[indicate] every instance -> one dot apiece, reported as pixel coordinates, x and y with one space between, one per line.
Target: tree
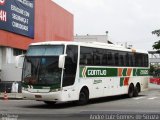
152 69
157 43
157 32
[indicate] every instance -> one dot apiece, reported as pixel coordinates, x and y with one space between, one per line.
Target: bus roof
91 44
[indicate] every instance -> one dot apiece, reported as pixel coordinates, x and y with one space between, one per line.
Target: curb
12 99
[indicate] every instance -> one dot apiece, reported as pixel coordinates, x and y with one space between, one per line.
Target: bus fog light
55 90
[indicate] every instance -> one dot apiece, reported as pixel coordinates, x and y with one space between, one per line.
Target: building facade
154 57
50 22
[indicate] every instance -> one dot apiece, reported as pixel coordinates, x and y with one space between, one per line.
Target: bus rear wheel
135 94
138 87
83 97
131 91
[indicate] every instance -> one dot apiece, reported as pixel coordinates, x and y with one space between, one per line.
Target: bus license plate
38 96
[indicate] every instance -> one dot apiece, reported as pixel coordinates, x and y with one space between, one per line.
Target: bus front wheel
83 97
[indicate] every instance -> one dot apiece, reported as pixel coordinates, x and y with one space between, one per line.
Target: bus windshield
41 65
45 50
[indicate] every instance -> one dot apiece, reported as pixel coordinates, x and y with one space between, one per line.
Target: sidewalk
12 95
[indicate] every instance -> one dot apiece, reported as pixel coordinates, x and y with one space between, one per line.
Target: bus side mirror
19 61
61 61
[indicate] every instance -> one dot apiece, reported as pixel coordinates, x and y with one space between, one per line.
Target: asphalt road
145 106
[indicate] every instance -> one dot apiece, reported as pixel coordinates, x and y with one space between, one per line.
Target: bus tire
138 87
135 94
83 97
130 90
50 102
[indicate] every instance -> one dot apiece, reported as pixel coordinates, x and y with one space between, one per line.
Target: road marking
137 98
152 98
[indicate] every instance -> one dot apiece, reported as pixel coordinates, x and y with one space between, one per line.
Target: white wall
9 56
9 71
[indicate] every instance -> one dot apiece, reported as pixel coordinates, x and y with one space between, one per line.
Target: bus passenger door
69 75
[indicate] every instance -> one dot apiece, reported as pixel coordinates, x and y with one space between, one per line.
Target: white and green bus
77 71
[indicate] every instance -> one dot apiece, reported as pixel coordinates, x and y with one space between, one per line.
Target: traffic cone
5 96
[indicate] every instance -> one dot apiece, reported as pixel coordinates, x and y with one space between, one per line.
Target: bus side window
146 60
122 60
116 59
70 65
138 59
127 59
110 59
96 57
105 59
86 56
83 59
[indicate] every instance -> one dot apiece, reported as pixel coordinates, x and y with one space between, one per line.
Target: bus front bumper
49 96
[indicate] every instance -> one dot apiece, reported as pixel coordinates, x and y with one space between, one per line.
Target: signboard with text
17 16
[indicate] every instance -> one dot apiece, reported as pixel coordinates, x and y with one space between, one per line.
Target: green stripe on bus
124 72
121 81
98 72
110 72
140 72
80 70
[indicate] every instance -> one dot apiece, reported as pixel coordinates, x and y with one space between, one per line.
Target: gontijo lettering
144 72
97 72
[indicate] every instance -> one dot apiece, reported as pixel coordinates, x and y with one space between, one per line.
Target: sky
130 21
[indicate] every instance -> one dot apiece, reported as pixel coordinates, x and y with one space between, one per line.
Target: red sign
2 2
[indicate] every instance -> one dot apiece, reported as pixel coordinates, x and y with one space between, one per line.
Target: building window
18 52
